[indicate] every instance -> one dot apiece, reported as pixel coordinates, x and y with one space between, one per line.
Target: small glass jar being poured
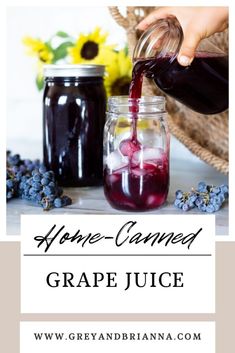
136 156
202 86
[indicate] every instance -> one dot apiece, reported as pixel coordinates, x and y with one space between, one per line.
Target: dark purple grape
207 198
31 181
58 202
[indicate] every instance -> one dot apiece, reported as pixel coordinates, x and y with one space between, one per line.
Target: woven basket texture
206 136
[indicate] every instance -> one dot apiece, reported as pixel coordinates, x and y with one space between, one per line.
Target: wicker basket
204 135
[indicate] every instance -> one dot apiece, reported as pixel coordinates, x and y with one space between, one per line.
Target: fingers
153 17
188 48
193 30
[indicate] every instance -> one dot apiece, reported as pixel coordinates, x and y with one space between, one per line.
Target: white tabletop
186 171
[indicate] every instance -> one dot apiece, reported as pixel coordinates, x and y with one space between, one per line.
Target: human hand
197 23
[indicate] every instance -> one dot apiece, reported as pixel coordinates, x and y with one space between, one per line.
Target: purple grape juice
74 105
141 184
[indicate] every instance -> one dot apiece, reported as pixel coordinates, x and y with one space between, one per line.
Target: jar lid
82 70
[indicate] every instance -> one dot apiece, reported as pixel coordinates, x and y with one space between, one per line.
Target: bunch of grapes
31 181
207 198
12 185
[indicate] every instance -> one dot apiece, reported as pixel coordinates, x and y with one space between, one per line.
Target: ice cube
115 160
148 154
128 147
150 167
138 171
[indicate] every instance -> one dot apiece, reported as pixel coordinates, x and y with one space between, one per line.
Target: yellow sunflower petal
97 36
34 45
37 48
118 73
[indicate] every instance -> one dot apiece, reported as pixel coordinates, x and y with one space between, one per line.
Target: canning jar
202 86
74 105
136 153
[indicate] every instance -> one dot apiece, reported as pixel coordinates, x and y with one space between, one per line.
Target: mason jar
74 105
136 153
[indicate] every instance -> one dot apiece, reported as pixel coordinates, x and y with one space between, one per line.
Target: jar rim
142 105
73 70
143 100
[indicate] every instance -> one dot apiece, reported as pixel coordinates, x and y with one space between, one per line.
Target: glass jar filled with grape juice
74 105
202 86
136 153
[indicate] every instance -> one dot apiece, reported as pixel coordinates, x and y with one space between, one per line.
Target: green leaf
62 34
39 82
126 49
49 47
61 51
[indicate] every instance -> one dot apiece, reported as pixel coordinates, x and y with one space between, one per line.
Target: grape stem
48 206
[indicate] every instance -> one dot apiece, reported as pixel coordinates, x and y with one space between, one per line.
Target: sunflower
44 54
118 74
38 49
90 48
